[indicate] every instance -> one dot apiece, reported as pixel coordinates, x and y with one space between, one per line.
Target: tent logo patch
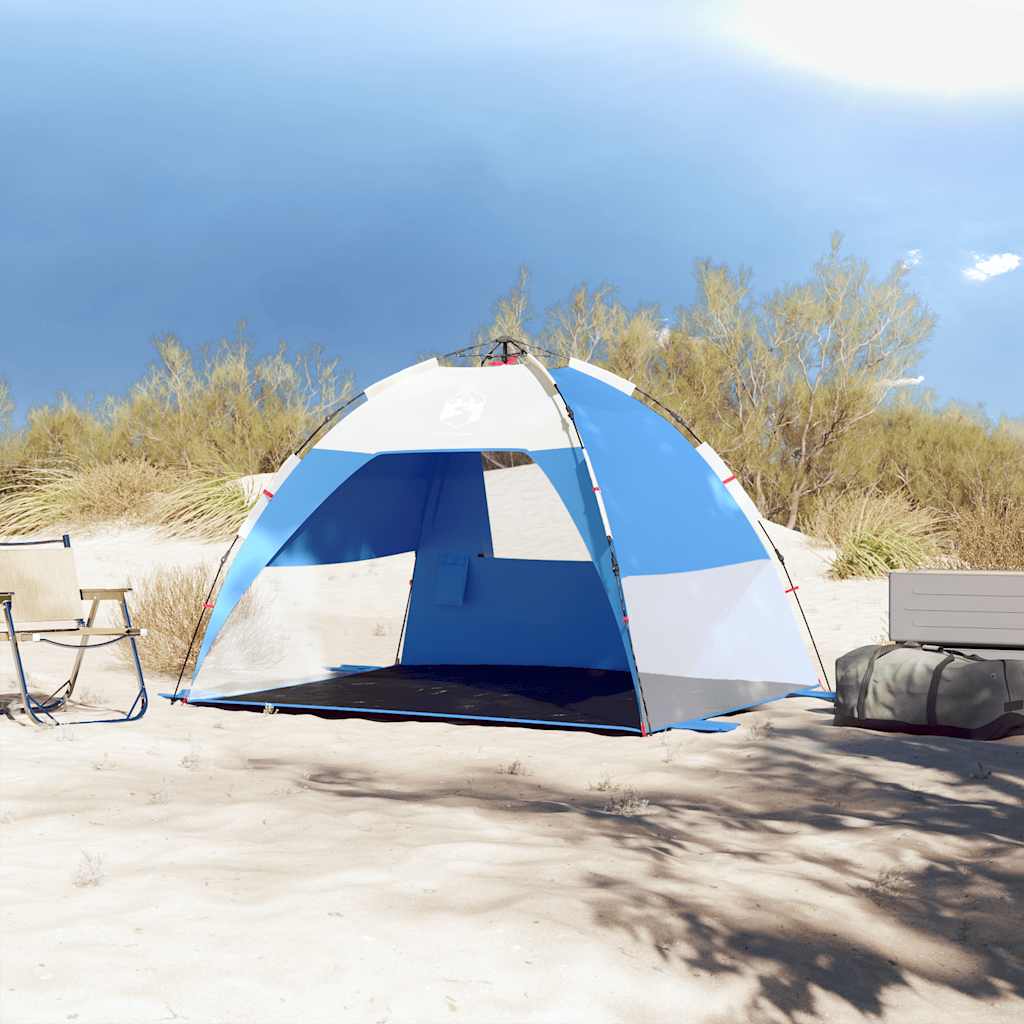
463 410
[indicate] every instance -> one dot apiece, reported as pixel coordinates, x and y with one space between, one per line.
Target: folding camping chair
40 596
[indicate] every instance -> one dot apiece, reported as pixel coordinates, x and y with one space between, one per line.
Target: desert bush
6 406
874 533
168 604
217 412
990 534
196 421
953 460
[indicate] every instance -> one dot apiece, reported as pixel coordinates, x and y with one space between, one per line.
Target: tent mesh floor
592 697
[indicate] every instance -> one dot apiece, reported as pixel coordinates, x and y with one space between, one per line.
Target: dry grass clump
169 452
874 534
168 604
211 508
991 535
51 498
627 803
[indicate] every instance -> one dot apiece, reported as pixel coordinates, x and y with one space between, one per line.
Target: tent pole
645 718
202 614
803 614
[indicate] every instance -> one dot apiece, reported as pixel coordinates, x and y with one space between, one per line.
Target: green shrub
873 534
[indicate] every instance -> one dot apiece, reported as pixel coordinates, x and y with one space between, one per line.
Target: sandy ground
211 866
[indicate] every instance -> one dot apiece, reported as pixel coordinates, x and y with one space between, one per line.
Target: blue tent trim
707 725
591 726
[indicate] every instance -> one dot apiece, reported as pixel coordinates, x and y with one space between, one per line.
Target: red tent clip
729 479
596 489
791 589
625 619
267 494
207 605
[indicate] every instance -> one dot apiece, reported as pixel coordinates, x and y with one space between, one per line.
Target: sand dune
208 866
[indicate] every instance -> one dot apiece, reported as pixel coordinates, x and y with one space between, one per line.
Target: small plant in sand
874 534
104 764
190 761
379 630
88 872
980 771
602 784
513 768
168 604
269 709
668 750
889 883
627 803
760 731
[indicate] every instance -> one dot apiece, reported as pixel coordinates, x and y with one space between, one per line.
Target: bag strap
933 689
862 693
1013 670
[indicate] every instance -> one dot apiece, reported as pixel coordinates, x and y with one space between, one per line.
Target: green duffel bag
931 690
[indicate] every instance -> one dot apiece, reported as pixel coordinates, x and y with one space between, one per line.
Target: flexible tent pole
793 590
202 614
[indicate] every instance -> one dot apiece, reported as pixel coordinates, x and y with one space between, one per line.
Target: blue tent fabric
377 511
668 510
318 476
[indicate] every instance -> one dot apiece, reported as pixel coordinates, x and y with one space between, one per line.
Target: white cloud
912 257
985 267
937 47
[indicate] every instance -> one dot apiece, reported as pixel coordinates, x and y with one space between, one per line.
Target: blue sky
369 177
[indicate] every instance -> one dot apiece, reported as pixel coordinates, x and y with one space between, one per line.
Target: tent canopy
674 612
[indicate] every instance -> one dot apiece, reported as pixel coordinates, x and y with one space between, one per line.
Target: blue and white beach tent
669 609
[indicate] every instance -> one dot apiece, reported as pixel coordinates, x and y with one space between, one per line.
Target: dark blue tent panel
468 610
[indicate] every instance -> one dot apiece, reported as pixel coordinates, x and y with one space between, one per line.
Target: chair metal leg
28 702
82 645
142 698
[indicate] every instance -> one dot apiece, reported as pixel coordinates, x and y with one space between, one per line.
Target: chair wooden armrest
104 593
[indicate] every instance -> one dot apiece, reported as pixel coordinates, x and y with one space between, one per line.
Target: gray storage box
967 610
